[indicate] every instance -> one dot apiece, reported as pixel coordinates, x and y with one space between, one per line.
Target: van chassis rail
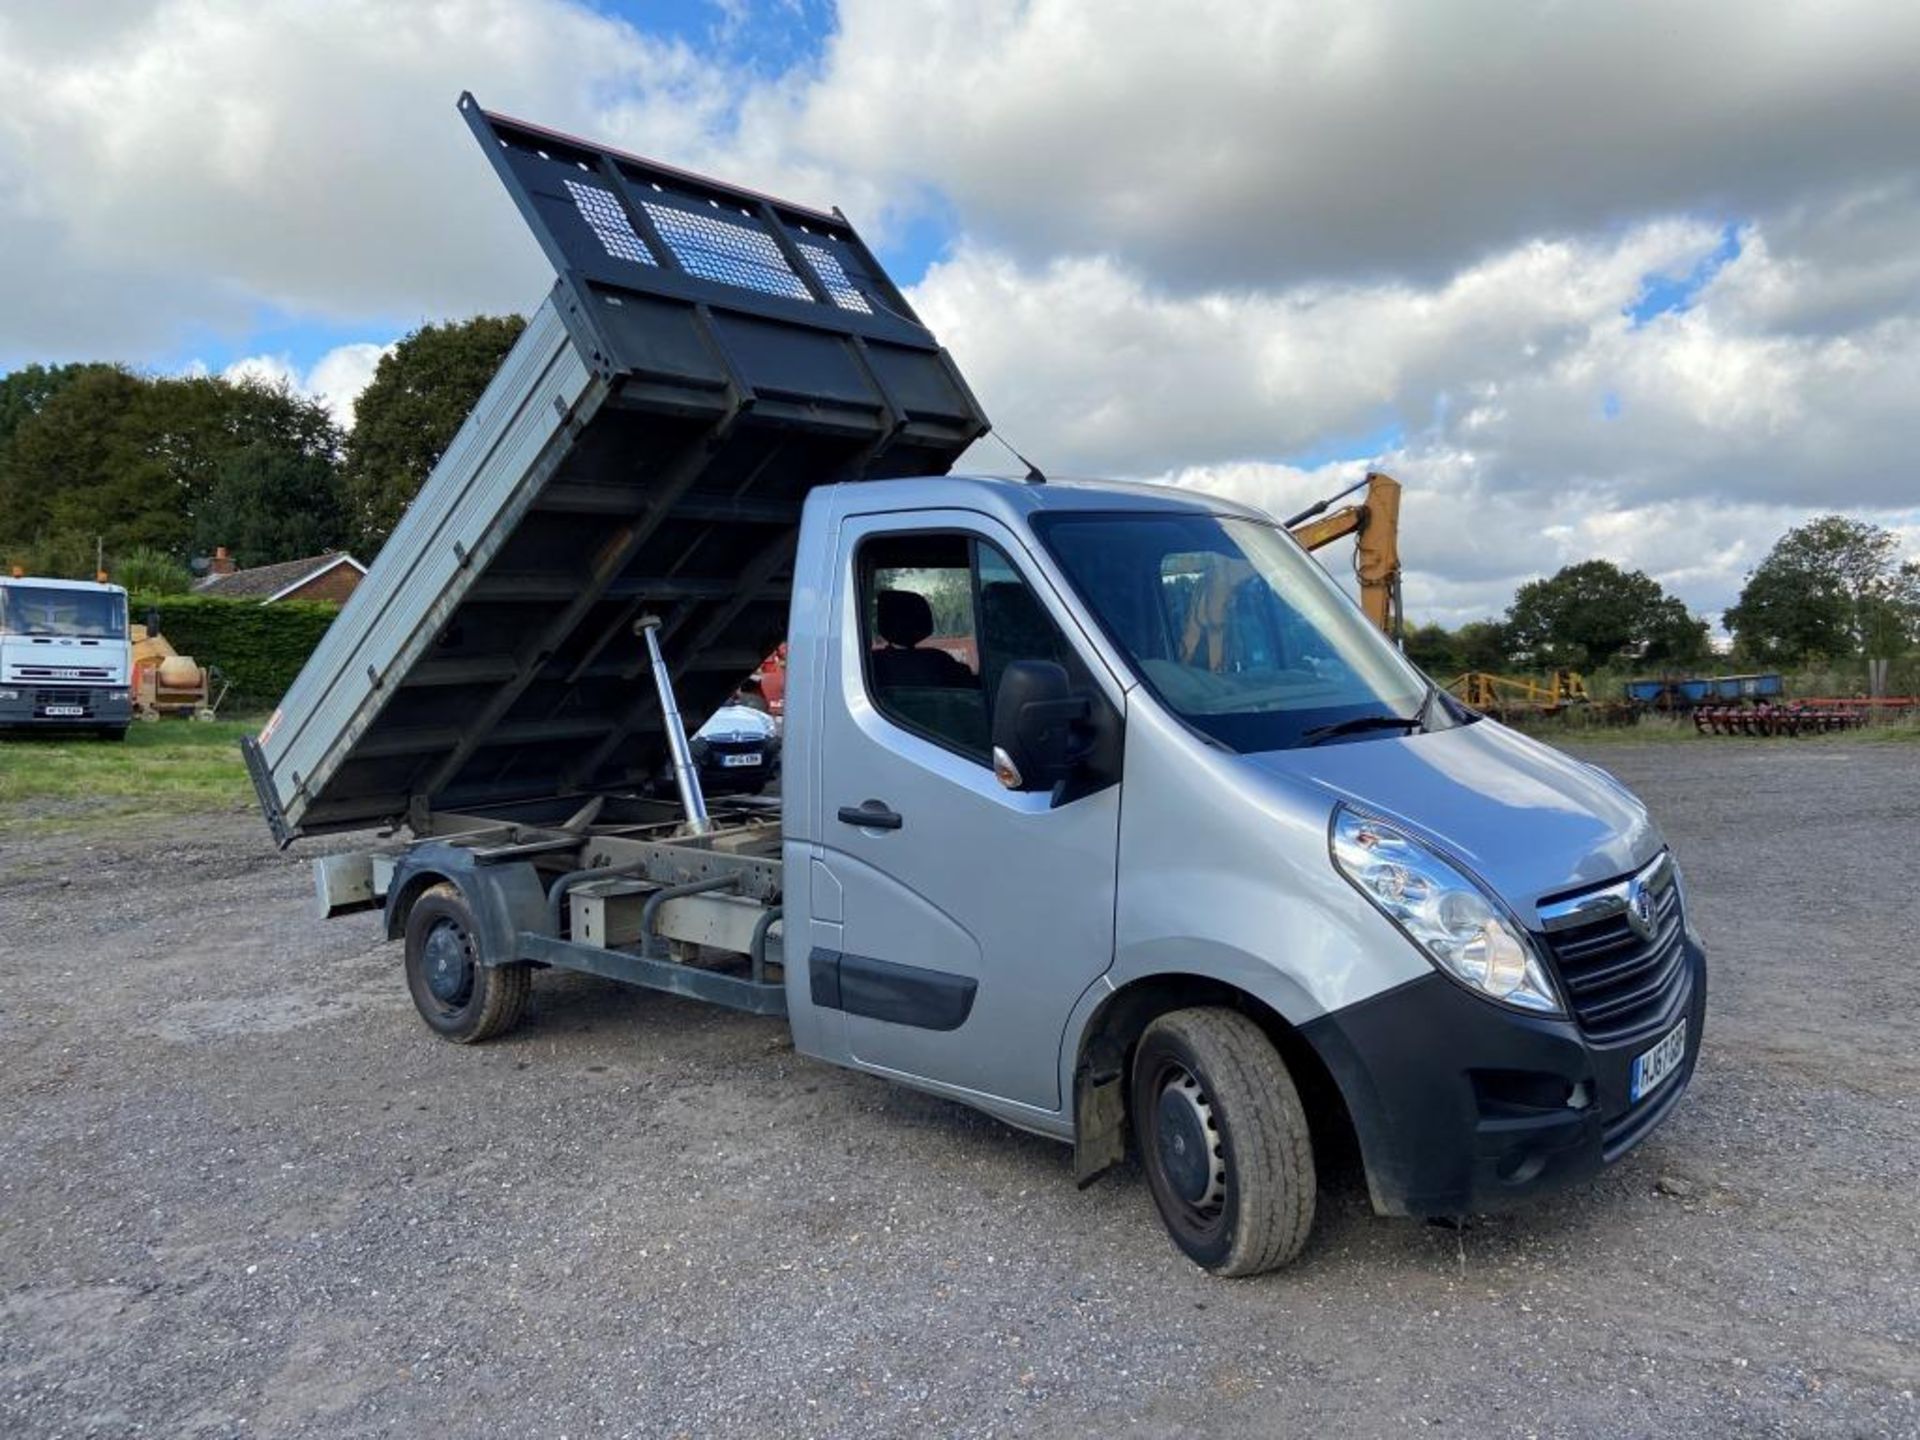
653 973
637 903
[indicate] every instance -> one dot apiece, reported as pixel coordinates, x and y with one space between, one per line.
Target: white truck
65 662
1103 810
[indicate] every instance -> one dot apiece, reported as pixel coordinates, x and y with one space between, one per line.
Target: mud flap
1099 1115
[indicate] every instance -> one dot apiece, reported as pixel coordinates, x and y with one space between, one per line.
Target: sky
1638 281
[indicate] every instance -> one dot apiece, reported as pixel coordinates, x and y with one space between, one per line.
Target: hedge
258 649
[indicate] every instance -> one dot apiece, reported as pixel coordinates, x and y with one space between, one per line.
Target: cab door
973 917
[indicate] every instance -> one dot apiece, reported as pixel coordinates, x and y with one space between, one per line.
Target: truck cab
1103 809
64 657
1465 945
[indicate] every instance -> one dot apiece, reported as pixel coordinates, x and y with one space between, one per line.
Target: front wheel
461 999
1224 1141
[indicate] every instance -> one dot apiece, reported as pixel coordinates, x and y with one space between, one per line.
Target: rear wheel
1224 1141
460 998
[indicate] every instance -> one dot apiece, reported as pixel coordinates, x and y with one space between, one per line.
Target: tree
131 460
1787 614
67 446
1431 647
1483 645
1593 613
1833 587
152 572
1894 624
271 504
1444 653
25 392
24 537
406 418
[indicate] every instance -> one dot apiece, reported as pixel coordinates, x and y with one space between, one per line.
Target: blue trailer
1683 693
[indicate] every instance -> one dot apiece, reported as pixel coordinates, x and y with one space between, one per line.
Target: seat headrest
904 617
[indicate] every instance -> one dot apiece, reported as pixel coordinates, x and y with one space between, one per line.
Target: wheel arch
403 895
1102 1061
505 899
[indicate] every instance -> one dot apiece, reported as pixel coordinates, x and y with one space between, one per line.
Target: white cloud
309 157
335 379
1254 141
1537 424
1123 376
339 376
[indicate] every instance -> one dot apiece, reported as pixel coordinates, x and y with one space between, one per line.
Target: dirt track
243 1190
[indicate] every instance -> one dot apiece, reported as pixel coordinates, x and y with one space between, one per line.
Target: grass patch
1898 732
1576 729
167 768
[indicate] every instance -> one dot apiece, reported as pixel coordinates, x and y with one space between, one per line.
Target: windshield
1234 628
89 614
737 720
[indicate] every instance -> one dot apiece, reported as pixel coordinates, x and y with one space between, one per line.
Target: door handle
871 815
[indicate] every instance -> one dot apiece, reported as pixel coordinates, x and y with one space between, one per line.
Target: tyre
459 998
117 734
1224 1141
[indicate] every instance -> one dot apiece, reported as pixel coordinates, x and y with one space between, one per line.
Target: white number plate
65 710
736 761
1650 1068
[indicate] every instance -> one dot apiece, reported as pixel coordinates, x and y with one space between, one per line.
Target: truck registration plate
64 710
735 761
1655 1065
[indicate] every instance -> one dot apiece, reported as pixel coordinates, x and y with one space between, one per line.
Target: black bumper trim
1460 1105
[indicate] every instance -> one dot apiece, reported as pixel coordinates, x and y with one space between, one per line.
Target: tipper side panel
708 356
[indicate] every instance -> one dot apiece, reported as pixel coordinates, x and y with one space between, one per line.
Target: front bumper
1460 1105
719 778
30 701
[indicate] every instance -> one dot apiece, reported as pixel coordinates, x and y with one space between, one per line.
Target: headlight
1442 911
9 694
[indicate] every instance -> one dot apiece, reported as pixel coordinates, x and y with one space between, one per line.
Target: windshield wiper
1354 724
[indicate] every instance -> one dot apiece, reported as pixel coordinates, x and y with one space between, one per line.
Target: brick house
332 576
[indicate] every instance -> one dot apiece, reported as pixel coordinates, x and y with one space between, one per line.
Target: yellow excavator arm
1374 522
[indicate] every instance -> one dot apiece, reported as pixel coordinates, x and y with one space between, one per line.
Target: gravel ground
244 1191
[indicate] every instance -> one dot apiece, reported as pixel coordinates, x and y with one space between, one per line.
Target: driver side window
942 616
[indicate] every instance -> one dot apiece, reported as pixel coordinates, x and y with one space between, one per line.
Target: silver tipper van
1103 810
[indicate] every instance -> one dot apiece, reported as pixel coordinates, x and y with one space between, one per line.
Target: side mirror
1034 719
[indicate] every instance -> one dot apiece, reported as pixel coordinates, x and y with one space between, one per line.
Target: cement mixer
166 682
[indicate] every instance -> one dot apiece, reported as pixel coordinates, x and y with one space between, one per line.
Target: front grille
63 697
62 672
1619 984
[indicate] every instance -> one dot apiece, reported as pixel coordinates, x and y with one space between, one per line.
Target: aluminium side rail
502 453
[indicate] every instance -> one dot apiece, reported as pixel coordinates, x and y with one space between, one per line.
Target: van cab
1263 831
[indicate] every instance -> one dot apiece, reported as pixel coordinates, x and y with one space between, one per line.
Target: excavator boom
1375 524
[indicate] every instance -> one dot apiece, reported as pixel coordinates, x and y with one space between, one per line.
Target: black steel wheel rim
1187 1153
447 966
